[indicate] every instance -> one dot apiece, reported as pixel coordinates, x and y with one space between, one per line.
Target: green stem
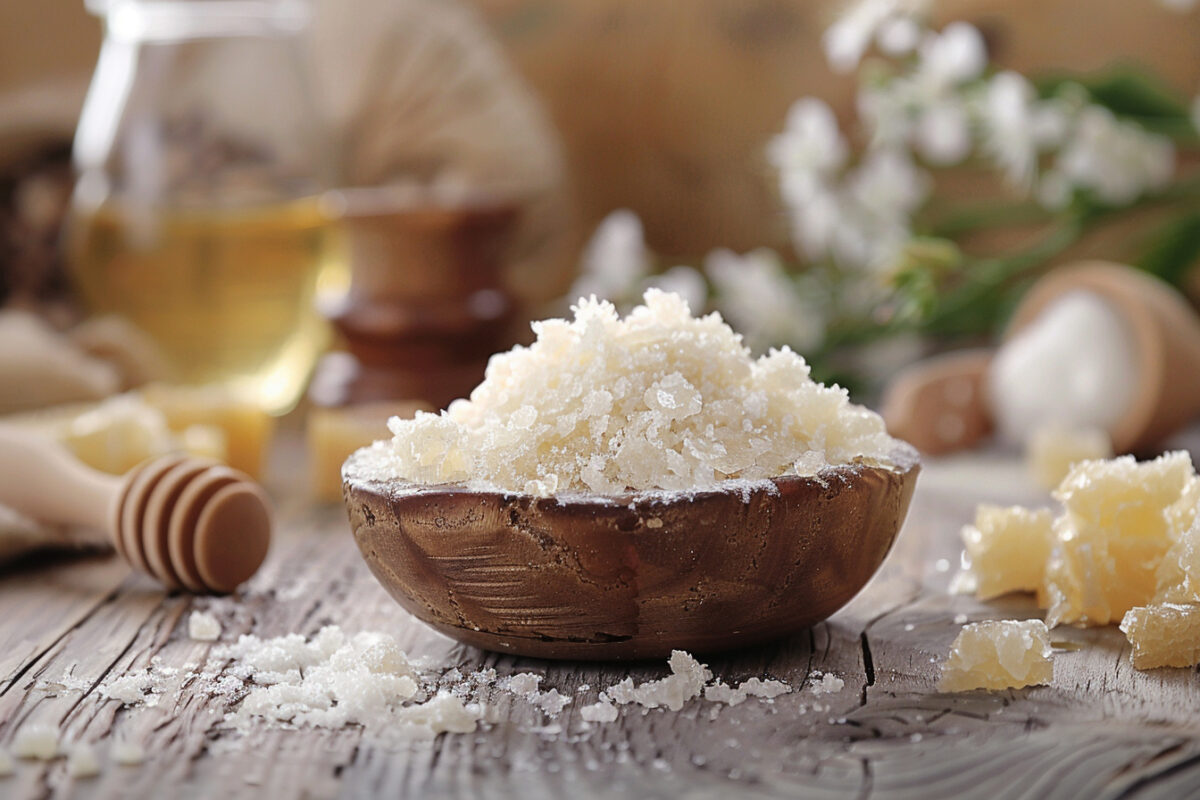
987 216
972 306
965 309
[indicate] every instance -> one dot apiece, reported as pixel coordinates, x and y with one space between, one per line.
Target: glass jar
196 213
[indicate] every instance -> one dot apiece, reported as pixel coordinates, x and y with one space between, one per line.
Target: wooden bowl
590 577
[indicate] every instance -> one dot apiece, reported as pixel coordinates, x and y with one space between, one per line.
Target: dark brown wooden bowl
588 577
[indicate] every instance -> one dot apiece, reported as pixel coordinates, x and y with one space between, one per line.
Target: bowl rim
903 459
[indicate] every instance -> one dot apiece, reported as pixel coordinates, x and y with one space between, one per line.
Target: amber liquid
228 296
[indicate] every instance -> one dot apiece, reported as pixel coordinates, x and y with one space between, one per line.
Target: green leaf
1174 249
1132 92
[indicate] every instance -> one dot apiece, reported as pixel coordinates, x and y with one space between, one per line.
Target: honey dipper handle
41 479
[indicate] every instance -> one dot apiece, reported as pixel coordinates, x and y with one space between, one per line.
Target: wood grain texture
1102 730
635 577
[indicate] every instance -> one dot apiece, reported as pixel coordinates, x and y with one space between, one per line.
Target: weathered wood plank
1102 729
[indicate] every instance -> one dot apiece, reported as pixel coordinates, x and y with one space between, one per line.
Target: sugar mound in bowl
628 486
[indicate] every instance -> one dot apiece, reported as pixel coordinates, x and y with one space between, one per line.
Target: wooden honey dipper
192 523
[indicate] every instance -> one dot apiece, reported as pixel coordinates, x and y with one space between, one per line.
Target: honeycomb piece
1179 571
1008 548
1002 654
335 433
1051 452
1120 520
118 434
247 427
1121 498
1163 635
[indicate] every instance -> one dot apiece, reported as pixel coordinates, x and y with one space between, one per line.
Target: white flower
942 135
953 57
884 112
763 302
847 39
1008 127
882 194
809 149
815 221
1117 160
861 222
888 184
898 36
615 260
683 281
1051 121
926 108
850 36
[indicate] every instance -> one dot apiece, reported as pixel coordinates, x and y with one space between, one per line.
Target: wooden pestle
191 523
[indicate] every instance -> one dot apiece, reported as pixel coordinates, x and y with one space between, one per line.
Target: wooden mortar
589 577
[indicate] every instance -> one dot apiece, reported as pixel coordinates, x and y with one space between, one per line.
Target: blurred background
218 211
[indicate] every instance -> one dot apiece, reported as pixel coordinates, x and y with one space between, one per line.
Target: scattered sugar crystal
998 655
620 693
960 619
1163 635
551 702
768 689
524 683
73 683
329 681
721 692
7 767
599 712
130 689
1009 548
443 713
126 753
82 761
828 684
36 740
660 400
686 681
203 627
963 582
1052 451
333 680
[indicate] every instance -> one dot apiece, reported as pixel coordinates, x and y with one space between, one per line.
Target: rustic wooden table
1102 730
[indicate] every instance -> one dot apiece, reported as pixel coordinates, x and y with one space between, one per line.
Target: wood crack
1176 768
868 666
20 673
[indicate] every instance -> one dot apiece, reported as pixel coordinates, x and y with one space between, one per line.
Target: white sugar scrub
336 679
1075 366
657 401
721 692
203 627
